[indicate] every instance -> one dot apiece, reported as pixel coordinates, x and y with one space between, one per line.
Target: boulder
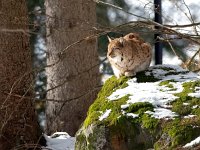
158 109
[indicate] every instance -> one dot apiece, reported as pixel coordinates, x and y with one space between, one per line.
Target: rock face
159 109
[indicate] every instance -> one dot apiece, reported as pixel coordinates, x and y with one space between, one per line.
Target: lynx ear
121 41
109 39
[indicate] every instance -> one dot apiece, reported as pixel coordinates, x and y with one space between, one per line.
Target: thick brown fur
129 55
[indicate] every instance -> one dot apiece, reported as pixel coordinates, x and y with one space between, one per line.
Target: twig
172 49
190 18
190 61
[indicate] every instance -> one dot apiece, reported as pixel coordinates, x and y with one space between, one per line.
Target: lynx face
128 55
115 50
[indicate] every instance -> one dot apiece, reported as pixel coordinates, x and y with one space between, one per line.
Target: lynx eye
114 48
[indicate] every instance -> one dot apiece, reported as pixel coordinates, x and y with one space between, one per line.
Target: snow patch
195 106
197 95
105 115
186 104
60 141
125 106
132 115
190 116
159 73
159 96
60 135
160 113
192 143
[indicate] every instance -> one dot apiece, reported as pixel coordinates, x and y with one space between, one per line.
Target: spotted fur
128 55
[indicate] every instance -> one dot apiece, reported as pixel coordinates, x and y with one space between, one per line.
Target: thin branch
149 21
9 117
174 51
190 61
119 8
76 98
190 18
182 26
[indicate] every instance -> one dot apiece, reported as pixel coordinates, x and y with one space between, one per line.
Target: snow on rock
183 76
190 116
132 115
152 92
192 143
197 95
105 115
160 113
59 141
148 92
195 106
155 103
125 106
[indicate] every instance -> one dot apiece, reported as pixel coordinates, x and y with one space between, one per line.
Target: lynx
128 55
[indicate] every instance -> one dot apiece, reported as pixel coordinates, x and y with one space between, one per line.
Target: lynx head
115 47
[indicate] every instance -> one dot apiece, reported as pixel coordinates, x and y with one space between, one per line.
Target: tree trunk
73 79
18 121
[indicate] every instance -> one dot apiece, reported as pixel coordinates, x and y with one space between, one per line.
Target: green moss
92 140
188 88
116 110
129 129
167 83
124 126
97 108
150 123
111 85
195 102
116 119
178 106
101 104
181 109
139 108
180 132
82 142
196 112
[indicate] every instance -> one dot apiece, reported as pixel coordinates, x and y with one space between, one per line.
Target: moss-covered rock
159 108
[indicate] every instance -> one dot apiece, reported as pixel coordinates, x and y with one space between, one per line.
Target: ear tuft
109 39
131 36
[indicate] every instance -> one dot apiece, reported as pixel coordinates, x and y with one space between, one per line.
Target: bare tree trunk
73 80
18 122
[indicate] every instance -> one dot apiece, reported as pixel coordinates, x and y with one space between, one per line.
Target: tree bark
18 121
73 79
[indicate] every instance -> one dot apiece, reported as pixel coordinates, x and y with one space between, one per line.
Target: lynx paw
117 72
